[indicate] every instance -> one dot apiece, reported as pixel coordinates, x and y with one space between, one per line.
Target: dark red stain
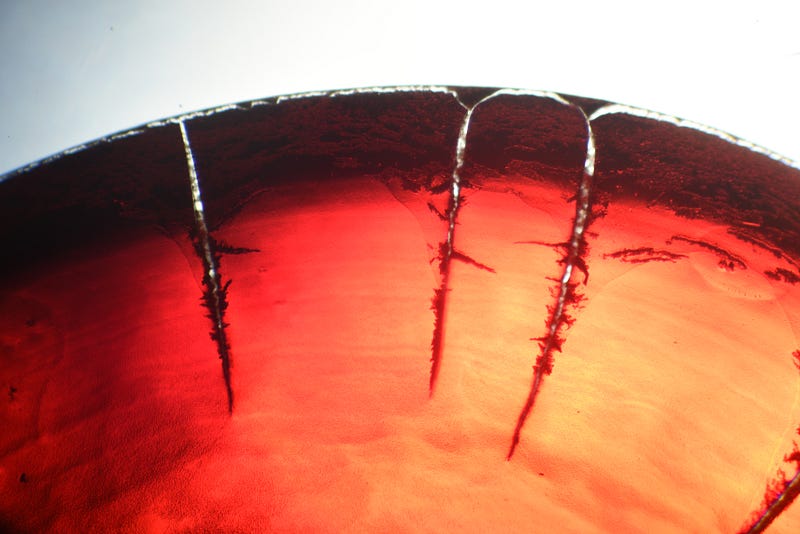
727 260
644 255
783 275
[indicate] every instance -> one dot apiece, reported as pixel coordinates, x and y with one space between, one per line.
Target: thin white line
611 109
605 110
200 219
393 89
70 151
179 119
298 96
534 92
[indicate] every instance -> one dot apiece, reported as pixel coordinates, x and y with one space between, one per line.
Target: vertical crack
446 250
214 294
566 293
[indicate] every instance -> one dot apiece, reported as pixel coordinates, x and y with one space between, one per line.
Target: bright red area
669 409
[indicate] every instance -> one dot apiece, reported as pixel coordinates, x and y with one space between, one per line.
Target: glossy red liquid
673 396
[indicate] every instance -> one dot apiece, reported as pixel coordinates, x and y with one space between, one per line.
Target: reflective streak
214 295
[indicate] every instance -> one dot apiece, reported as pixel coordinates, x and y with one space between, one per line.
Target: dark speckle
23 478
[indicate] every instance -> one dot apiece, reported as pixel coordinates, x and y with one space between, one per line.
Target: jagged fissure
446 249
566 292
777 506
214 294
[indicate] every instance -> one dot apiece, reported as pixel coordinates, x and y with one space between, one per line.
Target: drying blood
407 310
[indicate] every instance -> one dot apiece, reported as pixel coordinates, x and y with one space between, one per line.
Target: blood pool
645 273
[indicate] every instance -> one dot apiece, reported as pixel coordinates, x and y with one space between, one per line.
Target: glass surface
403 310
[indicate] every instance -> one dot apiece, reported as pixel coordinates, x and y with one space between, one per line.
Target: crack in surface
776 507
573 259
446 250
214 296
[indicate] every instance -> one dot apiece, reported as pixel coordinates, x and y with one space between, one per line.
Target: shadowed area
86 197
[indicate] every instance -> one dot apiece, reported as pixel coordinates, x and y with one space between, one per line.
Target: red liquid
671 402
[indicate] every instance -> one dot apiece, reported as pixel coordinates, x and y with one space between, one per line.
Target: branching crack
566 293
214 294
446 251
785 494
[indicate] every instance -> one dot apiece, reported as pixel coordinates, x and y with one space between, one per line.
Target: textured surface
653 287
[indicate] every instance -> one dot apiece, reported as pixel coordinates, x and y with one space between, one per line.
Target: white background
74 71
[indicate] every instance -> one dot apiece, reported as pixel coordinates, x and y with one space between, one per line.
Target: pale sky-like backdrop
74 71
